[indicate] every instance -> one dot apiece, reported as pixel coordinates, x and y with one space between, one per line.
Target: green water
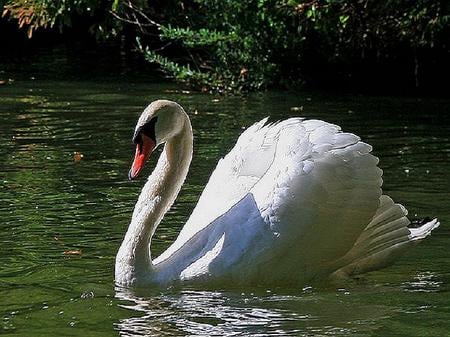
51 203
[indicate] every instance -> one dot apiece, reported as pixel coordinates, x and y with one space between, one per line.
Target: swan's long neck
133 262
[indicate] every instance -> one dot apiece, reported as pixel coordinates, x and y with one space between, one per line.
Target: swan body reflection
293 201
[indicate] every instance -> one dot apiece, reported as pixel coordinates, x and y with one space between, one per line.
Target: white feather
291 202
315 188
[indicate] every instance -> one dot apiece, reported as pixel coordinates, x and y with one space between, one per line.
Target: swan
293 202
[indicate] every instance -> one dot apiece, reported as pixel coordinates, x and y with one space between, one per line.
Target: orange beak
143 151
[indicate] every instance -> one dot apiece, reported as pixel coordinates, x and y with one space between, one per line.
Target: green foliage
33 15
228 43
201 37
234 45
180 72
248 45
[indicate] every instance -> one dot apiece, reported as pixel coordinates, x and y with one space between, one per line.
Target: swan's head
160 121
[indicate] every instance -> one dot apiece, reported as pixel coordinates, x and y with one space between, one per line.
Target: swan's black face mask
144 139
148 129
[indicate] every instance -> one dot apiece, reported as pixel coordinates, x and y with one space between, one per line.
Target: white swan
292 202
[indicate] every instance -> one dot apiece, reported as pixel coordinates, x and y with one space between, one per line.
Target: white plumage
292 202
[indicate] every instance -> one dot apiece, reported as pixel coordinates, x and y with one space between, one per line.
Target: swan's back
315 188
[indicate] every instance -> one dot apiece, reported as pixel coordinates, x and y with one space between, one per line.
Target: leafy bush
233 45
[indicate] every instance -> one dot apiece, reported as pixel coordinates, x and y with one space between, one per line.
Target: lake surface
65 203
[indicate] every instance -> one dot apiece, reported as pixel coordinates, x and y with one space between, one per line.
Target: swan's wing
314 186
319 194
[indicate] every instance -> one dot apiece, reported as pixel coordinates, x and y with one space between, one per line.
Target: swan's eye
148 128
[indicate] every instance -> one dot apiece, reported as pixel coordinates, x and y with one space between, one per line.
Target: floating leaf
73 252
77 156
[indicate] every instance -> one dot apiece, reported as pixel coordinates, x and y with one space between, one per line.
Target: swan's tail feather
424 230
385 239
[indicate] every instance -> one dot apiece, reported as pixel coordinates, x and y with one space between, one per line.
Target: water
65 202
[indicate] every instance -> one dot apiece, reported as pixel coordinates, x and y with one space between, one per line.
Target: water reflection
424 282
253 313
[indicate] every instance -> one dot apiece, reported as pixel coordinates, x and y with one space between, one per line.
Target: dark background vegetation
397 46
